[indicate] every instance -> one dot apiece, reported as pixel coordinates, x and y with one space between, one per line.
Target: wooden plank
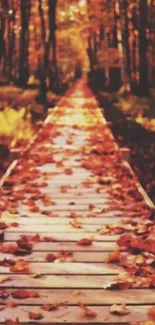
84 257
64 224
64 237
64 221
54 228
53 168
79 201
79 193
69 268
59 281
90 297
83 208
78 190
66 208
69 196
65 245
75 315
63 214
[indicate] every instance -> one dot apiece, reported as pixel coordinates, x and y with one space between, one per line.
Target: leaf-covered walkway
77 236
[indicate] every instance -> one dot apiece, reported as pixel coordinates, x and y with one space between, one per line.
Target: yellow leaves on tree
16 125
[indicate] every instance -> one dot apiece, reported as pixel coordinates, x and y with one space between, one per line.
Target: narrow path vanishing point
64 207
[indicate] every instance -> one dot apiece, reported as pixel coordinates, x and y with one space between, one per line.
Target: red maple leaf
124 240
137 244
153 280
51 257
151 313
9 249
14 224
3 226
24 244
7 262
4 294
49 307
84 242
151 246
20 294
35 316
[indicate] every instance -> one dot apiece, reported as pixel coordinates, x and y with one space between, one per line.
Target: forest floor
133 125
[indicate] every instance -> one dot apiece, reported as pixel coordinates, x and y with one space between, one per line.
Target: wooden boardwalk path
64 207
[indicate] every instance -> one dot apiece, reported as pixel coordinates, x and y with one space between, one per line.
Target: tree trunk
90 53
126 39
24 42
11 37
115 72
44 63
4 7
143 50
52 5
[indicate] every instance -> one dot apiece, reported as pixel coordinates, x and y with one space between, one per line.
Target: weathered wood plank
66 245
59 281
78 201
75 315
64 237
63 214
68 208
57 228
65 221
84 257
90 297
69 268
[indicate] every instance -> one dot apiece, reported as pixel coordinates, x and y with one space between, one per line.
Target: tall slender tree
126 35
3 9
11 38
143 48
52 5
44 64
25 8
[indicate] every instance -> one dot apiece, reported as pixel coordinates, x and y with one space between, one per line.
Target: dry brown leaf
51 307
5 279
87 311
37 276
68 171
63 189
75 223
119 310
11 304
20 267
113 257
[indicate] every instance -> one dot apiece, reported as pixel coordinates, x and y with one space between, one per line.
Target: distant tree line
119 40
28 41
127 27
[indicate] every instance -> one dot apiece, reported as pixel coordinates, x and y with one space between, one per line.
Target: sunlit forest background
45 45
46 41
